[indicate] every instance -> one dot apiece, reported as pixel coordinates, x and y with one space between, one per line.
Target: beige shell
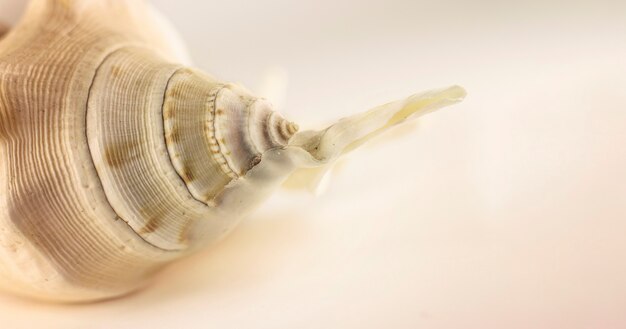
117 159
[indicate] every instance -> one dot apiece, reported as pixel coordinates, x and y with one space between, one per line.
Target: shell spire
311 153
234 127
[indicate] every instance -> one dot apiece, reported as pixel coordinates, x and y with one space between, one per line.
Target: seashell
117 158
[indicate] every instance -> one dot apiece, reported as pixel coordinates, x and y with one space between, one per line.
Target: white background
506 211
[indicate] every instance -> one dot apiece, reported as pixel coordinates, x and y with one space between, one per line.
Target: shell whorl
217 132
167 140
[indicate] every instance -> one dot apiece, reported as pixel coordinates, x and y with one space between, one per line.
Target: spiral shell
116 158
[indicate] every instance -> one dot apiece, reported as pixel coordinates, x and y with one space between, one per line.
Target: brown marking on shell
167 111
8 120
25 217
154 221
3 29
151 225
183 235
174 136
173 93
116 71
187 176
117 154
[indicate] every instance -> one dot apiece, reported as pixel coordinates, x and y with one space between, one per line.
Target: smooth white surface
506 211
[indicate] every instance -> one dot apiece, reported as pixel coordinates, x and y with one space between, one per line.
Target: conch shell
116 158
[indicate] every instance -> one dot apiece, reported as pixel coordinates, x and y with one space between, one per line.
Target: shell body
116 159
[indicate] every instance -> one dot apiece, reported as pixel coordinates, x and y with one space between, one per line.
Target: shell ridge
167 149
251 113
217 149
98 174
